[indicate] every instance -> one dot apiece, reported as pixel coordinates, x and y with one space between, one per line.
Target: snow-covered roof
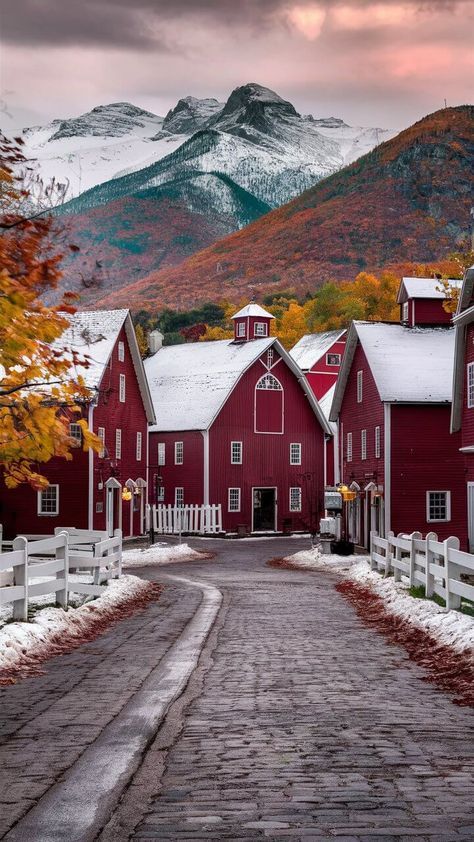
325 404
93 335
190 383
423 288
409 365
253 310
313 346
466 290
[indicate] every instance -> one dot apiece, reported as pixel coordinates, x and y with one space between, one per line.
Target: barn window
377 442
333 359
48 500
268 405
233 500
438 506
236 452
118 444
179 497
470 385
295 499
260 329
349 447
122 388
295 453
178 453
101 437
405 311
363 444
161 453
75 431
121 352
360 375
139 447
241 329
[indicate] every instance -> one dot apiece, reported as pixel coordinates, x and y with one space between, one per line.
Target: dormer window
260 329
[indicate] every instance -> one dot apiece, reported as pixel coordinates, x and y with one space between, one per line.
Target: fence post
452 600
62 554
414 536
373 534
429 584
20 577
118 534
388 554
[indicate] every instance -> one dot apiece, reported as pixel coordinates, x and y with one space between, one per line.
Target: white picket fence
439 566
173 520
51 559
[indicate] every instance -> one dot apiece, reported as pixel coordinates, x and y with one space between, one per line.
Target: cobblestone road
310 725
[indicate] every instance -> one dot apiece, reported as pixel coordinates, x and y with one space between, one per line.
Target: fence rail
439 566
172 520
51 560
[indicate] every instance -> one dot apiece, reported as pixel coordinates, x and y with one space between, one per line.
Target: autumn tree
39 392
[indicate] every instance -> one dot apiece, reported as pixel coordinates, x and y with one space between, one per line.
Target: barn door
470 515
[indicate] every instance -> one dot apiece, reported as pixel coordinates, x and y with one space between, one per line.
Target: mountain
189 115
408 199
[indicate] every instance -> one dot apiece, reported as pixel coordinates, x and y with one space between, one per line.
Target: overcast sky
372 62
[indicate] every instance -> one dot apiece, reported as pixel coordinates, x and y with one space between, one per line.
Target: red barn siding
321 375
249 322
189 475
425 457
266 458
429 311
468 413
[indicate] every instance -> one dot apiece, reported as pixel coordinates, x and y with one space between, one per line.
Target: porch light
126 494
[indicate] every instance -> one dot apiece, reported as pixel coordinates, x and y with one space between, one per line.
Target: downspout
387 467
205 483
337 476
90 498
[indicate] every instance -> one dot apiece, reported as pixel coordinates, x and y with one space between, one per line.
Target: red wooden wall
322 376
189 475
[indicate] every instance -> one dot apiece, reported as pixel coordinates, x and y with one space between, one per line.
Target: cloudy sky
372 62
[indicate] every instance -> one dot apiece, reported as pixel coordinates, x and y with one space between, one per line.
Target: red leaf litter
97 621
450 670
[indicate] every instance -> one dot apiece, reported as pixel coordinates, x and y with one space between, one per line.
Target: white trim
178 461
387 447
325 461
178 488
349 450
161 453
405 311
138 449
40 499
205 479
470 520
298 459
265 488
413 312
229 509
377 441
259 335
470 385
300 498
122 392
360 385
118 443
101 436
329 354
363 445
238 333
448 507
121 351
241 449
90 478
337 473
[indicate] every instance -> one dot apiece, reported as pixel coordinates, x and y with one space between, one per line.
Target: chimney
155 341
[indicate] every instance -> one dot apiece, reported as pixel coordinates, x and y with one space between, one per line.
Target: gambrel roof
93 334
190 383
313 346
409 365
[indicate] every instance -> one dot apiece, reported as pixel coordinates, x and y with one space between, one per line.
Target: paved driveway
299 722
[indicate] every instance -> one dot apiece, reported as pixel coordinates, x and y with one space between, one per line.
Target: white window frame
260 329
363 444
40 511
139 447
333 355
122 388
179 492
405 313
349 447
470 385
377 442
295 506
121 352
269 357
360 386
236 451
179 453
161 453
77 435
241 331
118 443
101 437
295 453
448 507
233 499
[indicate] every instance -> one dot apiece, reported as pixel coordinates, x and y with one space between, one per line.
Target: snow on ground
159 554
33 639
450 628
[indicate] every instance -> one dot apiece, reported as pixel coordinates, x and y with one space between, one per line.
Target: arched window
268 405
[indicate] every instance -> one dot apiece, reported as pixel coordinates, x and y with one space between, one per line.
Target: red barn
87 492
421 301
237 424
392 404
462 416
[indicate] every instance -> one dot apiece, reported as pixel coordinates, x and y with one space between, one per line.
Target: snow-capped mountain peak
189 115
113 120
253 106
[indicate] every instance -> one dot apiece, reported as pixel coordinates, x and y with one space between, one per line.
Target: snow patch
160 554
